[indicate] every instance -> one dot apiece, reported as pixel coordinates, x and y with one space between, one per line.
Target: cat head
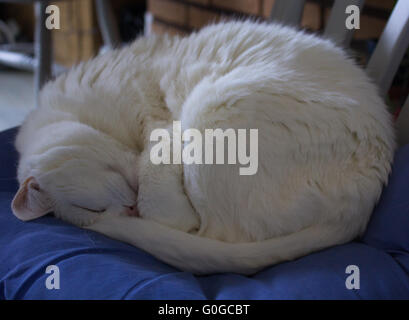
78 179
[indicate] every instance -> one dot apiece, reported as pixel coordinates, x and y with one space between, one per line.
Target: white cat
326 143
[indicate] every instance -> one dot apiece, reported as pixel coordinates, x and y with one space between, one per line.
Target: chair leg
107 24
42 48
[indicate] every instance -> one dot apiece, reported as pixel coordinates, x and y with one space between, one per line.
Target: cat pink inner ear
30 202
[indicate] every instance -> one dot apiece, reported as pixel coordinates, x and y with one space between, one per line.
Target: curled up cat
325 147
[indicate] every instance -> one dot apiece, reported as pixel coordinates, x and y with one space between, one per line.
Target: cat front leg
161 195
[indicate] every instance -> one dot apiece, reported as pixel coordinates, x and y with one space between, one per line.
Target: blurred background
80 36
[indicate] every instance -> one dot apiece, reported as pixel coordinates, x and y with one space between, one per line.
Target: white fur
325 146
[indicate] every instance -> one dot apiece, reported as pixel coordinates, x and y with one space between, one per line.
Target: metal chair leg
42 48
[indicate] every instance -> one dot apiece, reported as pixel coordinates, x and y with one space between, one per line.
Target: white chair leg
391 47
107 24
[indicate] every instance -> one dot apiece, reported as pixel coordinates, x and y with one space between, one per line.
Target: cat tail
201 255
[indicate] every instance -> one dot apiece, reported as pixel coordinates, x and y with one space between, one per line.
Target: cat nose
131 211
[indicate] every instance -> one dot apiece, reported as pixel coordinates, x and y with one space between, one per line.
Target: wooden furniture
42 64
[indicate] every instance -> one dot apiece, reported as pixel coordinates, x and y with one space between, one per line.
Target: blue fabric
95 267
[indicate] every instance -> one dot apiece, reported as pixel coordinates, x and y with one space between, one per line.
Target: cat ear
30 202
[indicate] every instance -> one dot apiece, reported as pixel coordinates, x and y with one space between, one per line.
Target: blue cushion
388 229
95 267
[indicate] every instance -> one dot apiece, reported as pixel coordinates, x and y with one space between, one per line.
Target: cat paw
175 216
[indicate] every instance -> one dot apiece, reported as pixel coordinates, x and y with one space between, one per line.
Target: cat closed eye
92 210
